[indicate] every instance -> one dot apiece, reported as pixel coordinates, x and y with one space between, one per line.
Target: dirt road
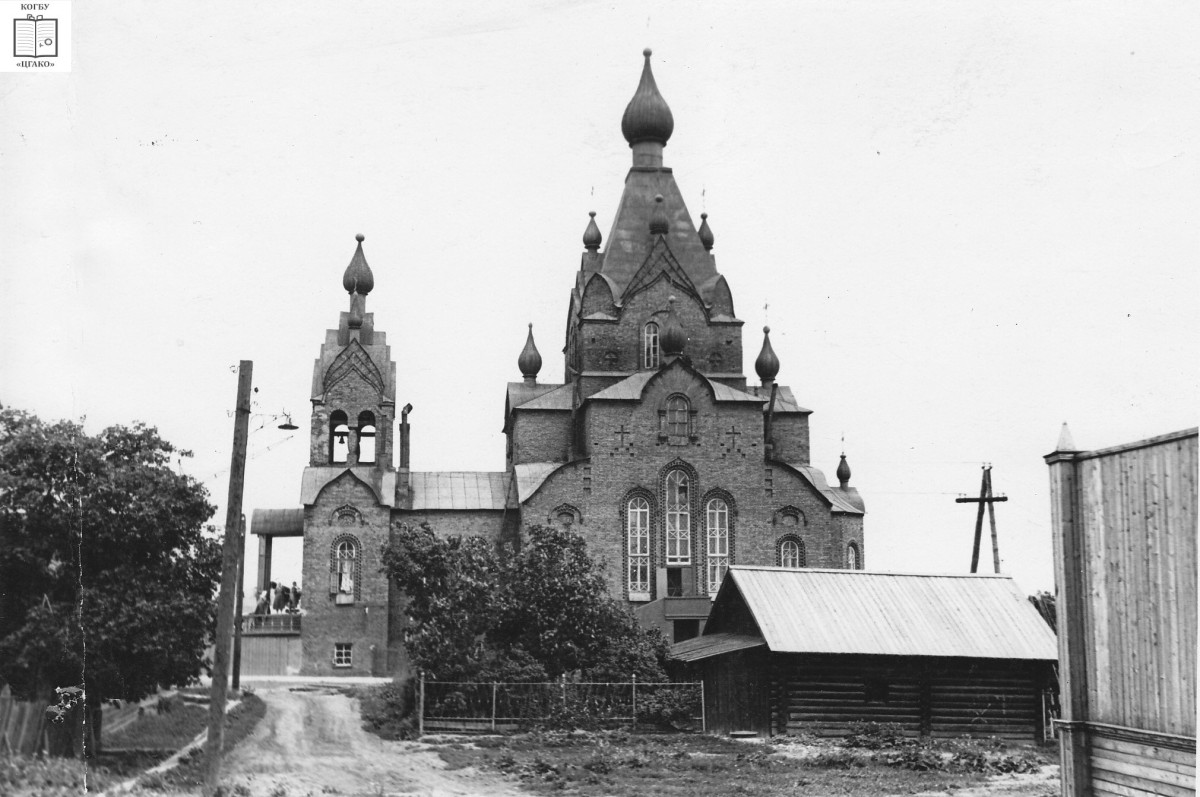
311 743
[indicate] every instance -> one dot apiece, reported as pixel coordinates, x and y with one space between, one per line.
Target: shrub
875 736
389 711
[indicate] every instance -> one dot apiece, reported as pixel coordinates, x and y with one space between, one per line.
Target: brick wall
767 501
364 623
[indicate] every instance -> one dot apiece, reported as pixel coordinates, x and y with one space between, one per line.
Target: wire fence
476 707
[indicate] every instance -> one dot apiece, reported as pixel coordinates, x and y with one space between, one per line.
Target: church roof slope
895 614
816 478
460 490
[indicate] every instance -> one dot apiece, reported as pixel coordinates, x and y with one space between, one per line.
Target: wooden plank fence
22 726
1124 522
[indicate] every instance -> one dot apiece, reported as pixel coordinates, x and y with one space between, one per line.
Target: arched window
637 534
678 416
679 519
366 438
718 543
792 553
343 570
339 437
852 557
650 345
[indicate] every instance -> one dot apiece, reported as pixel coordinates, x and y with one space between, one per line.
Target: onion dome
843 473
647 117
659 225
672 338
767 364
706 236
591 236
530 362
358 277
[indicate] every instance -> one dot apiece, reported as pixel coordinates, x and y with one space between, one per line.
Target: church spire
358 282
767 364
647 123
530 361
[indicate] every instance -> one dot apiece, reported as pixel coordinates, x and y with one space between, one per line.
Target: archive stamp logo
41 40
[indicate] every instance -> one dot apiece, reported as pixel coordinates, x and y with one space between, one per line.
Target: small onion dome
672 338
358 277
843 472
530 362
659 225
647 117
706 236
767 364
591 236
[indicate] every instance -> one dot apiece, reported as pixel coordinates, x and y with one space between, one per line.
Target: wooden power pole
985 499
229 576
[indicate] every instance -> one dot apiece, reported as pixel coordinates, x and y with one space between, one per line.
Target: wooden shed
789 651
1124 523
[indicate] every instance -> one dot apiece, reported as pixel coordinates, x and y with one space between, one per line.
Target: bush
876 736
389 711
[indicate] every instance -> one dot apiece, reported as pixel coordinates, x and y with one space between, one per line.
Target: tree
525 613
108 576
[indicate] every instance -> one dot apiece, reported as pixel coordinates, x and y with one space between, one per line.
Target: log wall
1124 523
929 696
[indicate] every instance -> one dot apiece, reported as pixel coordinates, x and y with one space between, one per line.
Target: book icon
35 37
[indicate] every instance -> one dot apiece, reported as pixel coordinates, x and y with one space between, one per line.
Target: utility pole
985 499
229 575
238 620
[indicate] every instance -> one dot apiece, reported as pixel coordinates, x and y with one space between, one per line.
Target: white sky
972 221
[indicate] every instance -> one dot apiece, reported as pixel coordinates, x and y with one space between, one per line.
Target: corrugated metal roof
702 647
817 479
531 475
277 522
460 489
855 611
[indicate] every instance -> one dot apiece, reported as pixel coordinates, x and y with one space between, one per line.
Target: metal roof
835 496
628 389
557 399
531 476
855 611
519 392
459 489
277 522
702 647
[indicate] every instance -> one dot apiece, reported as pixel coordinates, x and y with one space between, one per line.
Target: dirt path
312 743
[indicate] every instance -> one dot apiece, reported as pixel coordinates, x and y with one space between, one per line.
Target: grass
189 774
618 763
171 726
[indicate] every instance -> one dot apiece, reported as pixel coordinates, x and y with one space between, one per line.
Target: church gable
354 360
661 263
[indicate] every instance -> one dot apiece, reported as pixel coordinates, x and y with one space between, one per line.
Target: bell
340 437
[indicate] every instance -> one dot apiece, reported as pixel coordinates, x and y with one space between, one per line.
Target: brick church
654 446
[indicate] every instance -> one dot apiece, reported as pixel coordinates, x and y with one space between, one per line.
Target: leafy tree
526 613
107 575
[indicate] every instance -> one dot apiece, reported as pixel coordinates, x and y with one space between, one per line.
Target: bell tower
354 384
348 493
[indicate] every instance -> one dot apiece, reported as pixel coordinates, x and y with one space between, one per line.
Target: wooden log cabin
1124 522
813 651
